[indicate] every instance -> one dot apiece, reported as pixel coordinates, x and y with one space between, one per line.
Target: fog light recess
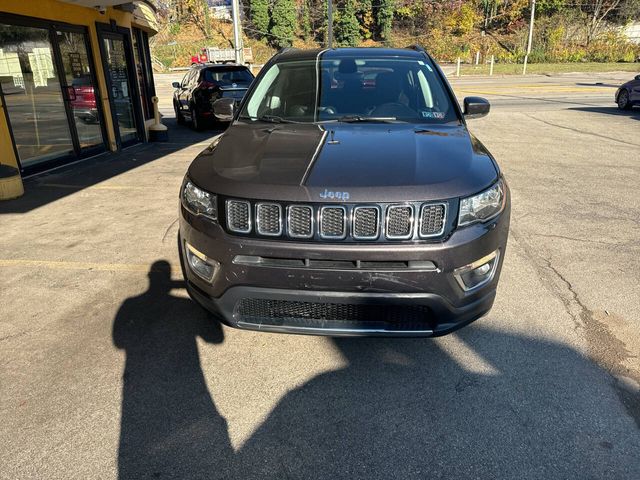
478 273
200 264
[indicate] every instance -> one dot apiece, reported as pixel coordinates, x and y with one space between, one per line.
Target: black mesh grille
300 221
300 313
238 216
268 219
431 219
365 222
399 221
332 222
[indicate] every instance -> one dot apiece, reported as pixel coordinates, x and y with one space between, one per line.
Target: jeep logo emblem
334 195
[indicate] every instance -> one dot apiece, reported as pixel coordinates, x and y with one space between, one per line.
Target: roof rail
416 47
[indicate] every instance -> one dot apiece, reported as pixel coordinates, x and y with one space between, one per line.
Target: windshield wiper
365 118
269 118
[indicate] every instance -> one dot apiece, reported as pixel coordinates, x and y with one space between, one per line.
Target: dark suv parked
202 85
347 197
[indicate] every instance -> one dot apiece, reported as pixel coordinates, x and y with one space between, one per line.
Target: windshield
228 76
348 89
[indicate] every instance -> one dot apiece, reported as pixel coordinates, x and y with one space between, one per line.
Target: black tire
196 121
623 100
179 116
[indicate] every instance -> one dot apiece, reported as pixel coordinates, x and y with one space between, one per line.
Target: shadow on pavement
401 408
633 113
51 186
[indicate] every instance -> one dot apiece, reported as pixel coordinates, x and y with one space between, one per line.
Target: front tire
179 116
623 100
196 121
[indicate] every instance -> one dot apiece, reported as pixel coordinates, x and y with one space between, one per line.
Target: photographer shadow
480 403
169 421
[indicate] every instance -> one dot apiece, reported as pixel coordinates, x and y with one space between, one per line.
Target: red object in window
85 98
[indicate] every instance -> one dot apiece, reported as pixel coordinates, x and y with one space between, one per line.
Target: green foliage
283 23
447 28
384 18
347 26
306 28
174 28
260 16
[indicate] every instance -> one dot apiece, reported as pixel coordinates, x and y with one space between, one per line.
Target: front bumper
311 300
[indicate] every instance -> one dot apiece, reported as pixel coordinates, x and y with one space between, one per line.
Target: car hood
367 162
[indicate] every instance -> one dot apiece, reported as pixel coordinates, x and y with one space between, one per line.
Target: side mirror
637 77
176 85
223 109
476 107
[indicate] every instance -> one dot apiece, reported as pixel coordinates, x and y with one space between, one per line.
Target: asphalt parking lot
108 370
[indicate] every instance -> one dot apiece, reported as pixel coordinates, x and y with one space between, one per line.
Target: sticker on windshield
427 114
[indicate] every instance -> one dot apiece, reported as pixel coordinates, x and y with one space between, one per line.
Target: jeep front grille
366 223
300 221
399 222
333 222
269 219
432 218
348 222
239 216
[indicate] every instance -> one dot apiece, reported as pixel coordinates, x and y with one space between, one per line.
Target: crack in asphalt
604 348
166 232
582 132
584 240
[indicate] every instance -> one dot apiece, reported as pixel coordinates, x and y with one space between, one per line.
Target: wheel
196 121
179 116
623 100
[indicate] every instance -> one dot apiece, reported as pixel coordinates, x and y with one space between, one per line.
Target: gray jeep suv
347 197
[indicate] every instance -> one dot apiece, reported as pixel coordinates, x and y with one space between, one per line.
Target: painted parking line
95 187
69 265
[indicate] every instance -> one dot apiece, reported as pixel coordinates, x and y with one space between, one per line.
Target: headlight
200 202
483 206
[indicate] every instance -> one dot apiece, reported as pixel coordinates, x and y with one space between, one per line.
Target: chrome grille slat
399 222
333 222
238 216
366 223
299 221
432 219
269 219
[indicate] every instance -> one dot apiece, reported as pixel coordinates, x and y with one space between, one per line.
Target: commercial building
75 80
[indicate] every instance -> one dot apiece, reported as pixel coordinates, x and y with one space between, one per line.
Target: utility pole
237 32
329 23
526 57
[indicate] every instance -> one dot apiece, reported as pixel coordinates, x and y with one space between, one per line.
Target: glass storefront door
115 49
79 86
33 95
47 84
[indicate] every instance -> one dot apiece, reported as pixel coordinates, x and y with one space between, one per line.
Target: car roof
354 52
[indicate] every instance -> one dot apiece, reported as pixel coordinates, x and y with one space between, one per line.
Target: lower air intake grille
238 216
300 221
399 221
332 222
432 220
312 314
269 219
